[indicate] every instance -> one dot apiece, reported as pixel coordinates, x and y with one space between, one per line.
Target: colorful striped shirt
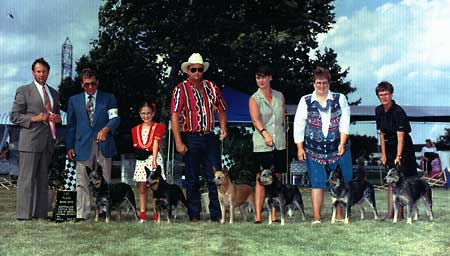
197 107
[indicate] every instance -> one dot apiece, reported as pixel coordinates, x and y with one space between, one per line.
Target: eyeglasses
193 70
91 84
145 113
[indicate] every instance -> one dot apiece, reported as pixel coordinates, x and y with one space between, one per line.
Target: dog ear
88 170
99 170
147 171
225 171
214 169
272 168
158 170
328 170
338 170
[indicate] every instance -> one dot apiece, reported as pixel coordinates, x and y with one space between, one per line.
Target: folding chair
442 179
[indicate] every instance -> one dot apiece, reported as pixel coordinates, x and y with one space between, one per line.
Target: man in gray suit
35 107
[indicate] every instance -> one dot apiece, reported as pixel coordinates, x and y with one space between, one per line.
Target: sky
38 29
405 42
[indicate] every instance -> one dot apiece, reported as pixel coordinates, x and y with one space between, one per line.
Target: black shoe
80 220
277 220
20 219
195 220
257 222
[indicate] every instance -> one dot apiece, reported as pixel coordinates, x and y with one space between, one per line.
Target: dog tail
183 199
428 196
132 201
372 195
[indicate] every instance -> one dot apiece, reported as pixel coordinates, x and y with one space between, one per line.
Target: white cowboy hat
195 58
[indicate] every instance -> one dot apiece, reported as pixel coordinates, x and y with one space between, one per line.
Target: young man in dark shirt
396 144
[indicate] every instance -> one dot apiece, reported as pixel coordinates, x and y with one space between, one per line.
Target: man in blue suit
92 118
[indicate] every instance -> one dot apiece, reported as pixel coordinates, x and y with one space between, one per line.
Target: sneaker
316 222
141 221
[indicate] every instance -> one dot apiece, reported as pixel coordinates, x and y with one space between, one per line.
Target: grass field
367 237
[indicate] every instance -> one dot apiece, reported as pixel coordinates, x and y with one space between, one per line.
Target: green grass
367 237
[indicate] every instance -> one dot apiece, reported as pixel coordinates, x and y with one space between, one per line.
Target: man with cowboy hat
193 105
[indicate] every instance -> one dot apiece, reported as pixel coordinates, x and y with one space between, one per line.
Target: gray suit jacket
36 137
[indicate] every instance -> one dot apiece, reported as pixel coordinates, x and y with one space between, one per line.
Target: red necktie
47 103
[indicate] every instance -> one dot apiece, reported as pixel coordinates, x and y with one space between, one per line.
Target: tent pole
286 125
169 145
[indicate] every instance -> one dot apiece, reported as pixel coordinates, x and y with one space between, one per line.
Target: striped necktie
90 110
47 103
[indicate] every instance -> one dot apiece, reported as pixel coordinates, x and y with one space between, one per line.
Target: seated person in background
4 153
436 169
427 153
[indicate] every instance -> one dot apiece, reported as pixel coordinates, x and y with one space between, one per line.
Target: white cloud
406 43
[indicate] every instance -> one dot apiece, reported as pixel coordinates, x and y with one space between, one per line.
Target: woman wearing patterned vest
321 128
267 110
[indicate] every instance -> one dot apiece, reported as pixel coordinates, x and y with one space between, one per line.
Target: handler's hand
398 161
41 117
301 154
267 139
71 154
57 118
154 163
223 133
181 148
101 135
341 150
383 160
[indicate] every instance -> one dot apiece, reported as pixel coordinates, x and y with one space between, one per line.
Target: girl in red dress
146 138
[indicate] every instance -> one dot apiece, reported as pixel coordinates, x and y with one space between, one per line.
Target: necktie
47 103
90 110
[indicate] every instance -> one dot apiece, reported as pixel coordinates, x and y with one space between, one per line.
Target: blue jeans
202 155
318 175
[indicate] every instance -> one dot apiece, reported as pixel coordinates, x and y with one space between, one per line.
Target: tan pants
83 190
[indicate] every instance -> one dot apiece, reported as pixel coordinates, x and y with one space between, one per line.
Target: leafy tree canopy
142 44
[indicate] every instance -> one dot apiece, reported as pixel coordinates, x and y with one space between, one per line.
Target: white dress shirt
86 99
302 114
41 92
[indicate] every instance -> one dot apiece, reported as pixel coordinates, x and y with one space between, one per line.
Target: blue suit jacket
79 134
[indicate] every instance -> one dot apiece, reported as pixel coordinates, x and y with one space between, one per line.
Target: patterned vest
318 147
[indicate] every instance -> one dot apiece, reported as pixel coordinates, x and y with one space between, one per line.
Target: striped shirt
197 107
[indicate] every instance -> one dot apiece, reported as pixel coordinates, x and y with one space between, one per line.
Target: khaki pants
83 190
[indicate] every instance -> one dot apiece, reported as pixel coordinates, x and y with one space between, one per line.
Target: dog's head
266 177
393 176
335 177
95 176
154 177
220 176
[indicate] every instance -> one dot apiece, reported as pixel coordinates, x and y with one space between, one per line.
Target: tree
444 141
142 44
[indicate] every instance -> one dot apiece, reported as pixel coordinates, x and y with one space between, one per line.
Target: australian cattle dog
286 196
165 196
349 194
406 192
232 196
107 196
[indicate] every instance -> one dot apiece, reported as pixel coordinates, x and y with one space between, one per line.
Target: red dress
143 139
